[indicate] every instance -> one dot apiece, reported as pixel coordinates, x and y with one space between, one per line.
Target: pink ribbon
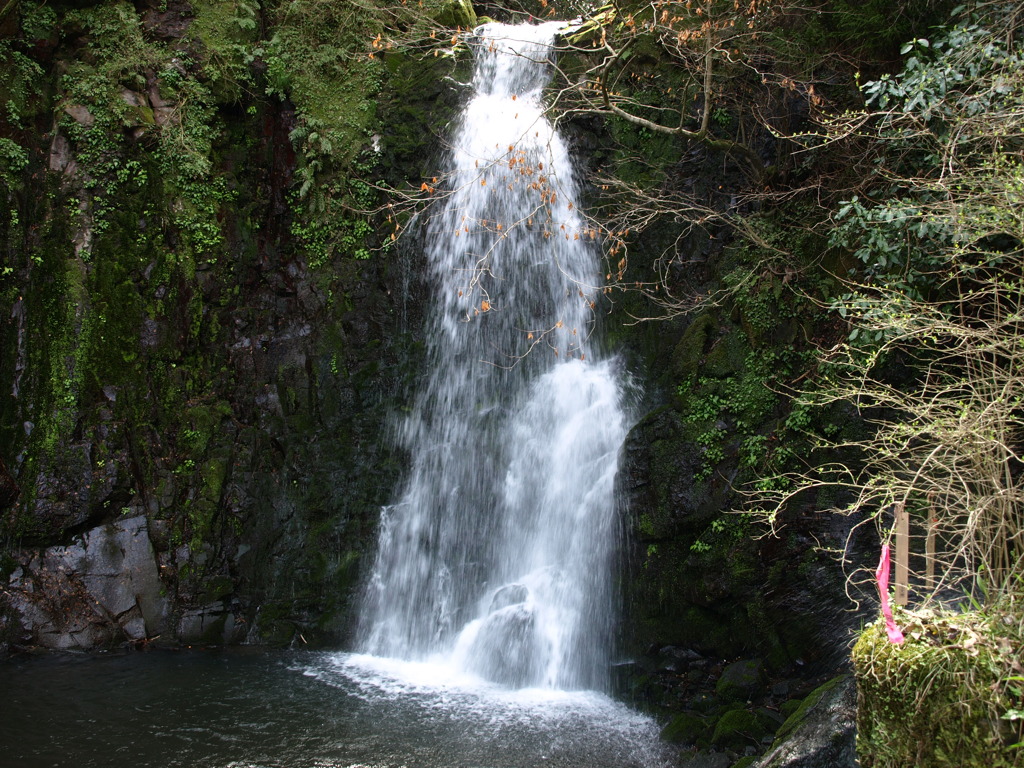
882 577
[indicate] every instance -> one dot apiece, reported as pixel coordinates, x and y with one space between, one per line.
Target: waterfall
497 554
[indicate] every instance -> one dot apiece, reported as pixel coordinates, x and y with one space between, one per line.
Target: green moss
937 700
728 355
735 397
455 13
699 337
214 472
739 728
796 711
787 708
687 728
739 680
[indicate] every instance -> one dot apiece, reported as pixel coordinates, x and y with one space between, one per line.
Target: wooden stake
929 548
902 553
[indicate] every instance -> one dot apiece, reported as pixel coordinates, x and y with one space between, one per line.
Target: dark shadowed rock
740 680
707 760
821 733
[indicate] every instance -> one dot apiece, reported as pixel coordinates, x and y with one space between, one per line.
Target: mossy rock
727 356
821 730
960 660
456 13
687 728
741 727
216 587
789 707
740 680
798 708
697 339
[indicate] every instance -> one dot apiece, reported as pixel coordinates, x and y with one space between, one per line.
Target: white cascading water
496 558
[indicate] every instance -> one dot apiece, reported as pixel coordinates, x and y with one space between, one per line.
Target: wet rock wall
204 336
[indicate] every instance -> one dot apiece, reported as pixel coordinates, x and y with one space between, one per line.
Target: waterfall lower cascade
496 557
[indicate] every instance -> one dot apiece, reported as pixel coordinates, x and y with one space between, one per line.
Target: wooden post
929 548
902 553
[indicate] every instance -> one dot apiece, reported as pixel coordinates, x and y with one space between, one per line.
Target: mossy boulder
697 339
963 662
820 733
687 728
456 13
739 728
790 706
741 680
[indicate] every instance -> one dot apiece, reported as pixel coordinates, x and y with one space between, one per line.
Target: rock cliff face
202 339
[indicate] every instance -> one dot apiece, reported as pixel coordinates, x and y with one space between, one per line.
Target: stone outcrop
101 590
821 733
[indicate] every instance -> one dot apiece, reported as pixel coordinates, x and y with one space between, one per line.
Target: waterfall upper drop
497 555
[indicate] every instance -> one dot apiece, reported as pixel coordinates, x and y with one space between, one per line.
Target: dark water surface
255 709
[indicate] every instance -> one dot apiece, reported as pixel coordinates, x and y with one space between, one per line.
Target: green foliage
319 57
183 154
877 27
965 71
722 534
323 56
739 404
38 21
331 203
13 159
118 240
227 30
17 92
932 361
906 235
898 241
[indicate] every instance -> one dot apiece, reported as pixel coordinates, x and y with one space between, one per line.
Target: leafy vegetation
910 245
931 362
940 292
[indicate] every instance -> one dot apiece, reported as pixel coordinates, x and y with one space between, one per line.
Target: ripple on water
246 709
433 706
